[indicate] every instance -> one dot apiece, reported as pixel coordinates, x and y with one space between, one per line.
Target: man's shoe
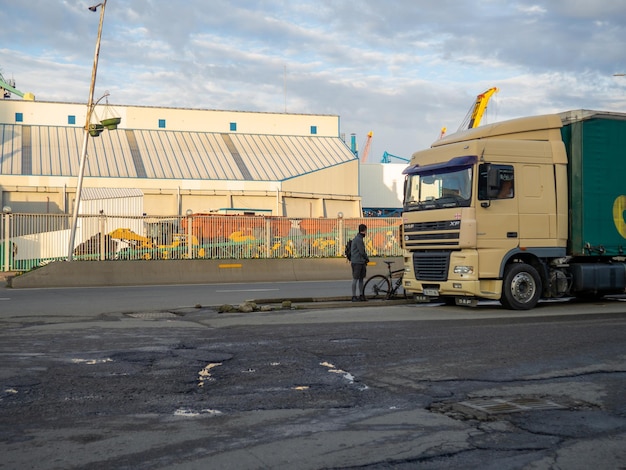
355 299
362 299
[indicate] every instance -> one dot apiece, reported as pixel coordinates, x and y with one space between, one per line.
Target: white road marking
188 413
91 361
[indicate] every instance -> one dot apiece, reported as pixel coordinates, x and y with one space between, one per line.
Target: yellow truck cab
519 210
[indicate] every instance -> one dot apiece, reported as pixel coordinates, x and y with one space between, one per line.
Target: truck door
497 217
537 205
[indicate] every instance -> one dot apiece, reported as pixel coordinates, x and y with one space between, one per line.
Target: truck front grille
431 265
444 233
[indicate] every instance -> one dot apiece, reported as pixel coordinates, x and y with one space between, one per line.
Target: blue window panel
313 129
19 117
161 123
233 126
71 120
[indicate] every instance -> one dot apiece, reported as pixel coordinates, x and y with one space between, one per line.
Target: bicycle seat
389 263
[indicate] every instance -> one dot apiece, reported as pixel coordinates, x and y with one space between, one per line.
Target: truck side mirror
488 184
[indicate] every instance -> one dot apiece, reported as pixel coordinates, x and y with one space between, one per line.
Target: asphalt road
97 300
356 386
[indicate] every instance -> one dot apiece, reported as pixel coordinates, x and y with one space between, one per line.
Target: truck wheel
521 287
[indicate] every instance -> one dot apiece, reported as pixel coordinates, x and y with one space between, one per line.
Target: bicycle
380 286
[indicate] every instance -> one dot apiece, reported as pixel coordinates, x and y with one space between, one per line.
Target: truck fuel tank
598 277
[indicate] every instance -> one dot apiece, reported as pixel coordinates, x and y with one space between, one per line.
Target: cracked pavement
400 387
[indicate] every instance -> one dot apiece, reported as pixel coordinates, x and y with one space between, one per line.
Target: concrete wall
382 184
133 273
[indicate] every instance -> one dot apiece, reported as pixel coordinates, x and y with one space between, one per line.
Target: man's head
362 228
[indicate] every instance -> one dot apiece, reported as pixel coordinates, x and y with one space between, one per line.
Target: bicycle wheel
377 287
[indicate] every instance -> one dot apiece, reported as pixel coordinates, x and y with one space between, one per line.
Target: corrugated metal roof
160 154
110 193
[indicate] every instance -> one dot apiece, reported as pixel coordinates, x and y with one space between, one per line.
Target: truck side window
495 181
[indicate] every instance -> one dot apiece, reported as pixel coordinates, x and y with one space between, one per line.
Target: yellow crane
477 111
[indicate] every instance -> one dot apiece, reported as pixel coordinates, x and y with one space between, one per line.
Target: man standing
359 260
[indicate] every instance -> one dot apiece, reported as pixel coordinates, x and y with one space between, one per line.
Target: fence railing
31 240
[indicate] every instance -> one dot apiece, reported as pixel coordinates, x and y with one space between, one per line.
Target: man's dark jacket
358 253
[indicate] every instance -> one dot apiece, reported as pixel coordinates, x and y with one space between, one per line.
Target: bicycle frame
384 286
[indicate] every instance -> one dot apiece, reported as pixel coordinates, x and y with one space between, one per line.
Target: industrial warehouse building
176 160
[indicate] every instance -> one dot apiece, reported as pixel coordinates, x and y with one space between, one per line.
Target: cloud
402 69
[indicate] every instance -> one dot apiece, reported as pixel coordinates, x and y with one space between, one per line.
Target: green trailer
595 143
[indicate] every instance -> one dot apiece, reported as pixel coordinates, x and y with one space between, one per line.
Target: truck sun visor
456 163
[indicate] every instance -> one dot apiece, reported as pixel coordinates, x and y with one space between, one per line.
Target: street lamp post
83 154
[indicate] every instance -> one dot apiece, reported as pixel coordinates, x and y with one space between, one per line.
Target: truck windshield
438 188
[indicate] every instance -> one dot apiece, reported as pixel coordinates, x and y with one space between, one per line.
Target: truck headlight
464 270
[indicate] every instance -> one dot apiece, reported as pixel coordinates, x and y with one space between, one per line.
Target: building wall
174 198
176 119
34 199
382 184
316 194
338 184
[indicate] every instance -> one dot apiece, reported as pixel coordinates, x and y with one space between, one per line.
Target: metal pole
268 237
79 186
83 154
340 247
189 235
102 227
7 240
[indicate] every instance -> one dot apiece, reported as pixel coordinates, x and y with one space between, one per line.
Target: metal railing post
268 238
341 237
103 221
189 236
6 215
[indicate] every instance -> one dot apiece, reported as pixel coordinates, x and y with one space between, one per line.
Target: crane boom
481 106
366 147
387 158
477 111
8 87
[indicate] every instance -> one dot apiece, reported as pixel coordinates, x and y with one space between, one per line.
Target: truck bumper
486 289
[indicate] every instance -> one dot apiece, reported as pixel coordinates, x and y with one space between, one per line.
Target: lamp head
95 7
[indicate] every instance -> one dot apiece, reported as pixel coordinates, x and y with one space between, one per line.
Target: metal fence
31 240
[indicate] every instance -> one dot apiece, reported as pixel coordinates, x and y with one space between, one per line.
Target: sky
402 69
